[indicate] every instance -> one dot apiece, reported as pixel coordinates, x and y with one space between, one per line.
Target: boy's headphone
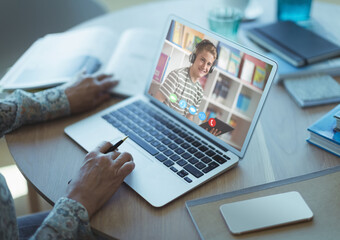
202 44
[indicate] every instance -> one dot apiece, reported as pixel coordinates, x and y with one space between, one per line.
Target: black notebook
293 43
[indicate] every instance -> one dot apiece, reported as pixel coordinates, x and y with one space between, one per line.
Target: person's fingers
102 147
215 131
121 160
81 75
114 154
126 169
107 84
103 76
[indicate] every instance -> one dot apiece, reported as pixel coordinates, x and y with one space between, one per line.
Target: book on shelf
243 102
184 36
170 33
217 88
94 49
234 62
223 56
323 133
177 35
247 71
197 39
253 71
223 92
295 44
161 68
233 123
259 77
313 90
190 38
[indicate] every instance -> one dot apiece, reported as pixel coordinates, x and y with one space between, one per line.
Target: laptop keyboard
184 154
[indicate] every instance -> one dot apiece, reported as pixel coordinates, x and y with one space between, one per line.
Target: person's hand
214 131
88 91
99 177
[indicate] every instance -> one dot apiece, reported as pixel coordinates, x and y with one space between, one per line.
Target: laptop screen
217 84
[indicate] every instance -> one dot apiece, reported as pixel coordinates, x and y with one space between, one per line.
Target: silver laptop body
162 175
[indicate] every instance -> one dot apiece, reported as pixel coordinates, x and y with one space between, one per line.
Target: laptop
173 154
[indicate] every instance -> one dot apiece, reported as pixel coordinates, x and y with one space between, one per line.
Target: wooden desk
278 150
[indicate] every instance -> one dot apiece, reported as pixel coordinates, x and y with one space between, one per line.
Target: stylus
114 147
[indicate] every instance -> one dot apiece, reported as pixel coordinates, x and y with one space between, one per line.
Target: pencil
114 147
111 149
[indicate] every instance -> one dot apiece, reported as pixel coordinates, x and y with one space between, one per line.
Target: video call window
226 98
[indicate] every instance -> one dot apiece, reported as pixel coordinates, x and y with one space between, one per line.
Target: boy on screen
182 90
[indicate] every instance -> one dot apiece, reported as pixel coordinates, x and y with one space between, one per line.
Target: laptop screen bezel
193 125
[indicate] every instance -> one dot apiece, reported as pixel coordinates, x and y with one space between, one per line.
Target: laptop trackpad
140 157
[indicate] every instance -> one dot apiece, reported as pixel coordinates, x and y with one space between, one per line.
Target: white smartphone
265 212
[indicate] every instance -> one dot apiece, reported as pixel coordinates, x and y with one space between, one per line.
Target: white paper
133 60
49 60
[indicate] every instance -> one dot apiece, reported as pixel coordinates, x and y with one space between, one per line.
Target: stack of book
301 52
293 43
325 133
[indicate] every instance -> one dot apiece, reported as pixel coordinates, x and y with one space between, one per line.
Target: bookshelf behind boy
227 96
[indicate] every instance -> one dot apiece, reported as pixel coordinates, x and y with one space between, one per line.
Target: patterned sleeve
8 221
22 107
68 220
